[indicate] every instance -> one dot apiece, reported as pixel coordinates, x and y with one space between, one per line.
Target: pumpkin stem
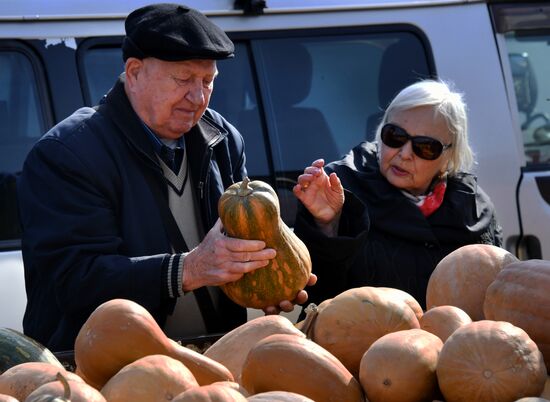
311 315
66 387
244 189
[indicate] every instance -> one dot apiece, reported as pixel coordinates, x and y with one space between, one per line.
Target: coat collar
391 212
206 133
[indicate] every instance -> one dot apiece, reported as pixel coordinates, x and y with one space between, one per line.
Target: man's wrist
173 274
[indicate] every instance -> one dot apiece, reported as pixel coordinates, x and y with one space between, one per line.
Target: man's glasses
424 147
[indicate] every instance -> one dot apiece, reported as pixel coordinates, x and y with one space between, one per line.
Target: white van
309 80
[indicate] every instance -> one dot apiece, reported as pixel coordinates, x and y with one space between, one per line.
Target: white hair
448 105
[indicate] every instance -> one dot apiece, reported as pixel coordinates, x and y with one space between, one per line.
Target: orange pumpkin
73 391
283 362
250 210
546 391
232 348
150 378
348 324
407 298
121 331
444 320
20 380
400 367
490 361
520 294
216 392
279 396
462 277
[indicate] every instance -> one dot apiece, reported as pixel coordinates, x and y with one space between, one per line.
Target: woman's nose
406 150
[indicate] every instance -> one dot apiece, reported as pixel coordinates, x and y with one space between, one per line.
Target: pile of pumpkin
484 337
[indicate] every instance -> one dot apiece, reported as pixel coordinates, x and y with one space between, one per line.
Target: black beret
174 32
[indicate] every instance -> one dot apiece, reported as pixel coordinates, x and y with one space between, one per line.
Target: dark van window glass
102 66
21 124
323 95
234 97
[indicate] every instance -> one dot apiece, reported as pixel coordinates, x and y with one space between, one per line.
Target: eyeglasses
424 147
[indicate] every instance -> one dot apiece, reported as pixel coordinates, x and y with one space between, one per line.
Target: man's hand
286 305
219 259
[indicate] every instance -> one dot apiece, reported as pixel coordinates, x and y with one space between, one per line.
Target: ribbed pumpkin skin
250 210
79 392
400 367
348 324
19 381
462 277
285 362
490 361
520 294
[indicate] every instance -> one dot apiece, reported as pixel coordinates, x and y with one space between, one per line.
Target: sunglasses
424 147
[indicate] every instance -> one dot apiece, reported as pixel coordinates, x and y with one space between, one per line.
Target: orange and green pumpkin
250 210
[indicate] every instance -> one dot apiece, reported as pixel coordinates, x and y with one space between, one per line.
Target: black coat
384 239
92 230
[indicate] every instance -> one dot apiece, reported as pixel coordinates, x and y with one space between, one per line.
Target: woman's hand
322 195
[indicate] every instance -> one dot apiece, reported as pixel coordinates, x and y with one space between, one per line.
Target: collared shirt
170 151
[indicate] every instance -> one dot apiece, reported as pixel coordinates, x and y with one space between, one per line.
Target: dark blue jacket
92 230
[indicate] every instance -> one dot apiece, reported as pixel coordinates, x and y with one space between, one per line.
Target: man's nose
195 94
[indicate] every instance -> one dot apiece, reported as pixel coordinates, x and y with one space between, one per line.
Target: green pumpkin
16 348
250 210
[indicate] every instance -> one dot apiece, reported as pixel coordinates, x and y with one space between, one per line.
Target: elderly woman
390 210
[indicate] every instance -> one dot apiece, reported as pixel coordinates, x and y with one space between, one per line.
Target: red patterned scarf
429 203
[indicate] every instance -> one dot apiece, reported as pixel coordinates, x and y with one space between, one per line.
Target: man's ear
132 68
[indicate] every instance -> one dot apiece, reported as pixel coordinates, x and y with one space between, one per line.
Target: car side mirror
525 84
542 135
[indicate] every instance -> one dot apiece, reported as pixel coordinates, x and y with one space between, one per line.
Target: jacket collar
390 211
206 133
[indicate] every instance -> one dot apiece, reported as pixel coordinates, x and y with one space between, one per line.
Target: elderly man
120 200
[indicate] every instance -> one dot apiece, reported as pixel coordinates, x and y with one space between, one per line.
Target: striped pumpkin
250 210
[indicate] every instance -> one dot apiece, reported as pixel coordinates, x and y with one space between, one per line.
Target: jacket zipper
204 174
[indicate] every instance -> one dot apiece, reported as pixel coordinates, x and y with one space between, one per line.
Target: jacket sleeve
71 242
333 256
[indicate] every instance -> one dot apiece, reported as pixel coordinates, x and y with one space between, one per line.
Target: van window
101 66
529 56
323 95
235 98
22 122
